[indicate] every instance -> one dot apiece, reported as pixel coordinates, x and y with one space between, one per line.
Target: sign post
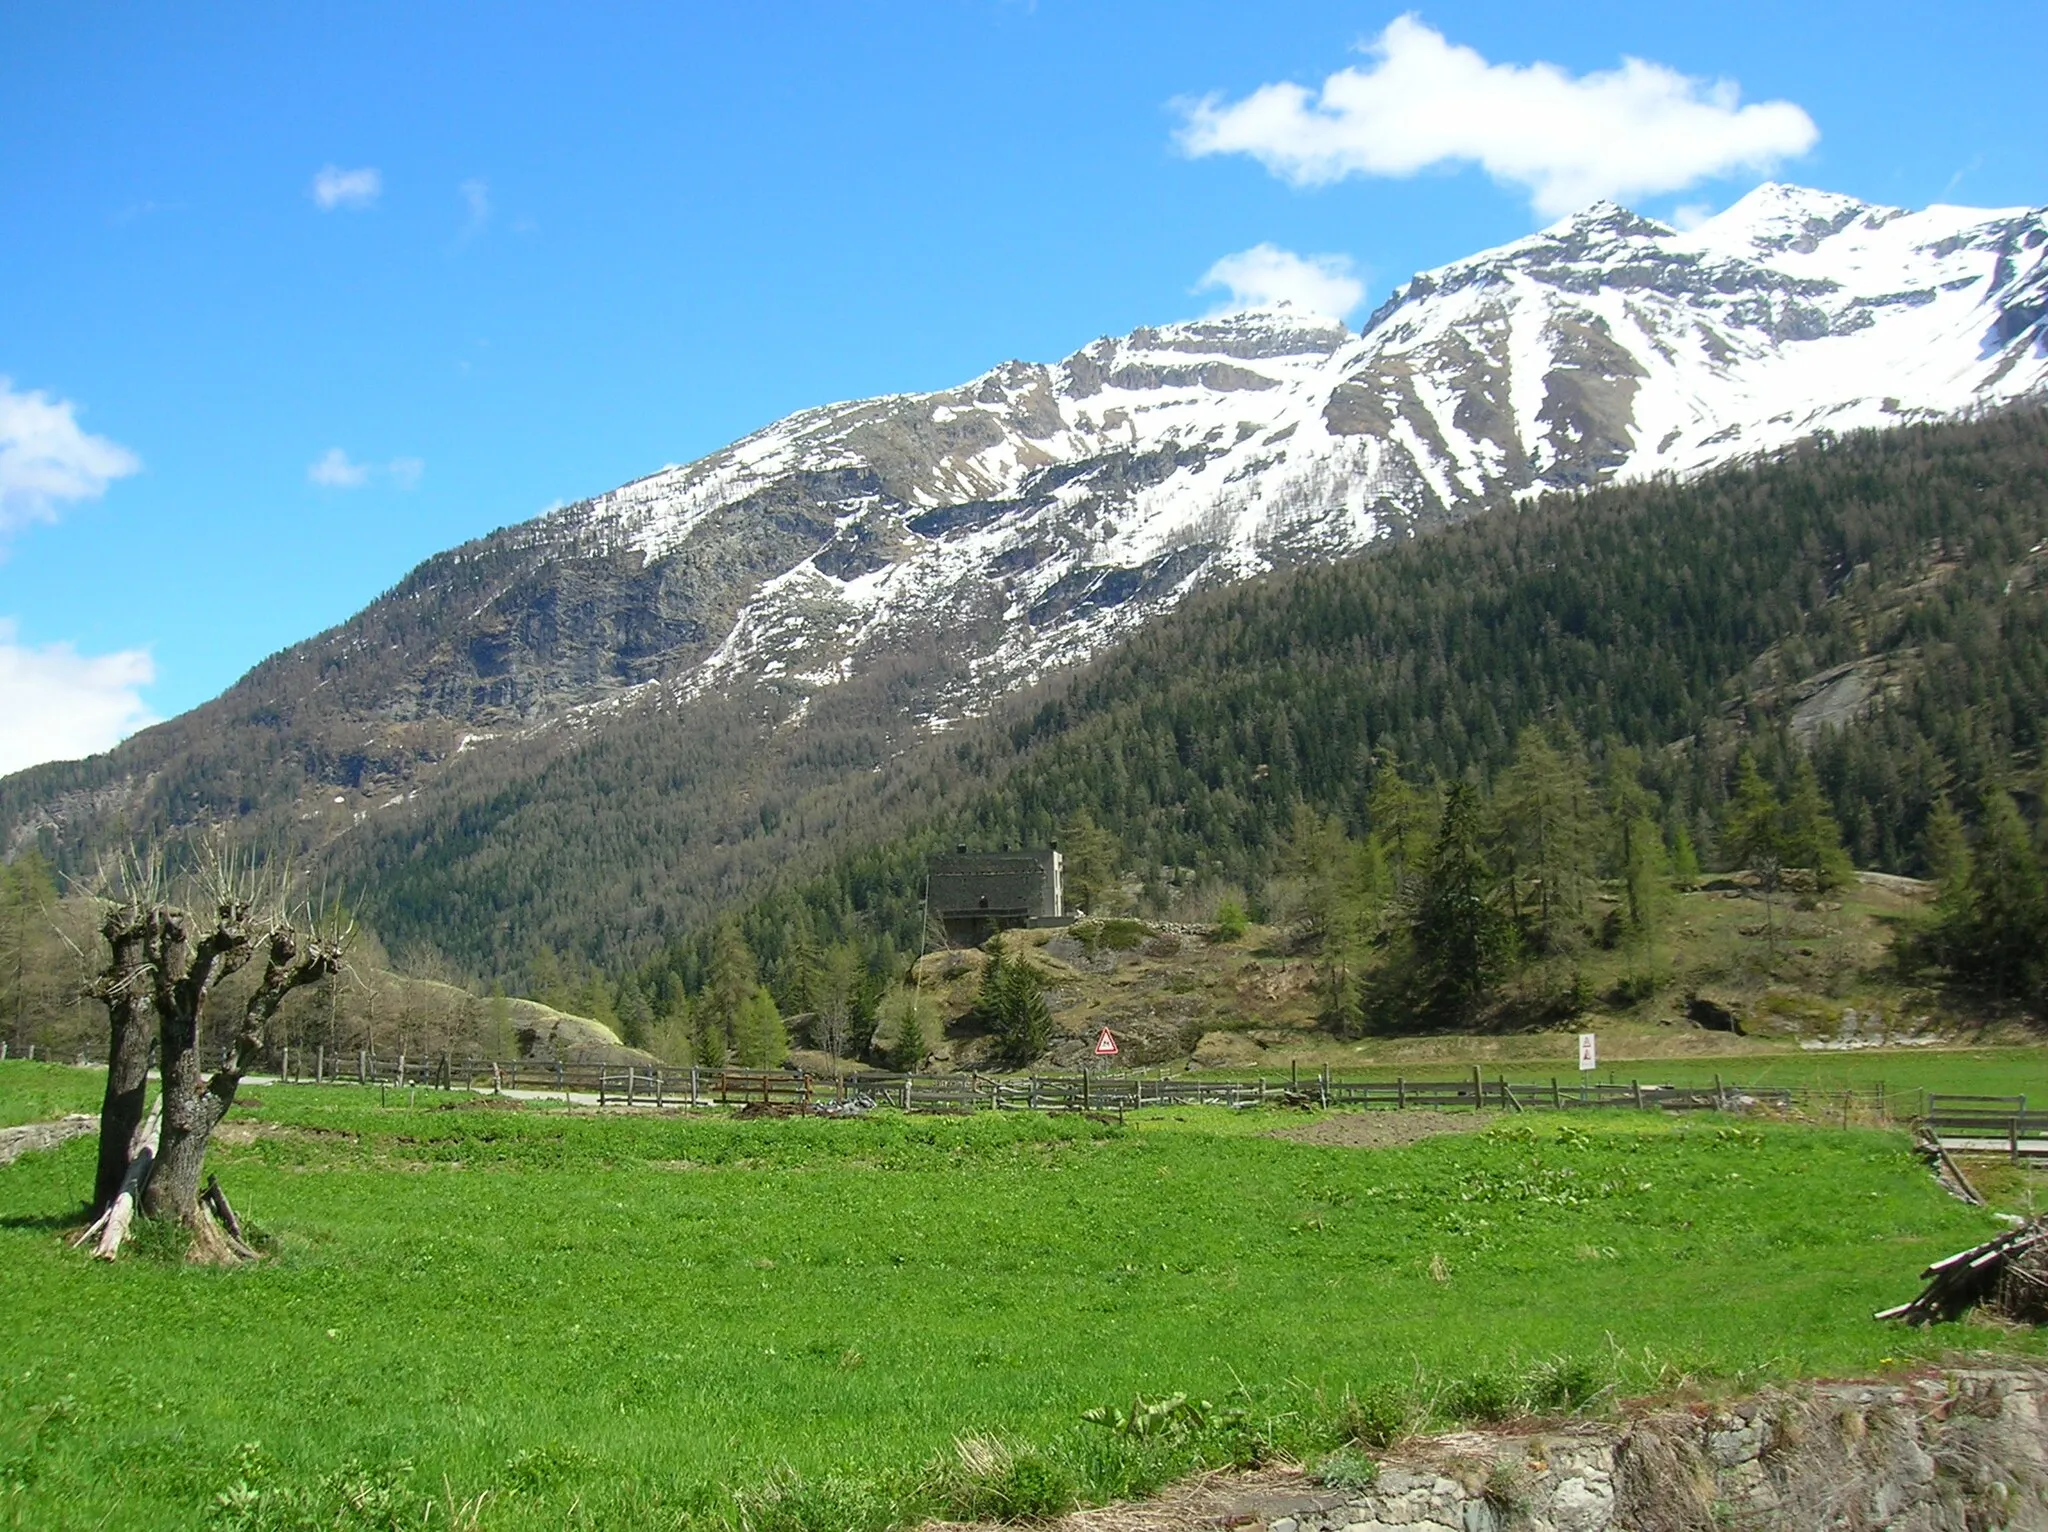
1589 1053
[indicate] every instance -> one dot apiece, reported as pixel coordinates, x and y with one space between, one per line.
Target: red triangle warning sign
1105 1042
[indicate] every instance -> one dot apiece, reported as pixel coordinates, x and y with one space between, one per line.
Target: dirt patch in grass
1383 1130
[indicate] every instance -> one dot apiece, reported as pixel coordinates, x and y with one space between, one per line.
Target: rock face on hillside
982 535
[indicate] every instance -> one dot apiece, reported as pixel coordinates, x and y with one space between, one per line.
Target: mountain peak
1776 217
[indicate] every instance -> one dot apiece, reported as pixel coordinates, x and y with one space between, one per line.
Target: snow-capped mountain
945 547
1039 510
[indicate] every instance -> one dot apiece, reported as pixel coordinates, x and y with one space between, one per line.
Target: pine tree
1946 848
1460 938
1090 863
730 984
1012 1005
636 1015
907 1051
2008 903
1646 880
1812 839
1685 861
759 1039
1399 814
1547 835
1753 833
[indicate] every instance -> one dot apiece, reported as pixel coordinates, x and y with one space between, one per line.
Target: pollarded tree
165 964
188 958
125 988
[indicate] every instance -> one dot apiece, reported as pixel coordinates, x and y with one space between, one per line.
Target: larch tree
1754 834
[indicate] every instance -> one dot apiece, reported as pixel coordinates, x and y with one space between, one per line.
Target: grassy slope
631 1317
1254 1003
38 1092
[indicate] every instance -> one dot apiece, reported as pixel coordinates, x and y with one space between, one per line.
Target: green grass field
39 1092
534 1319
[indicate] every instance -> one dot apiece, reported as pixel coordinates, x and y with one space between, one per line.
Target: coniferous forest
1838 656
1834 656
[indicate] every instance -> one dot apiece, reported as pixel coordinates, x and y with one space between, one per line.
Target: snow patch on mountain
1034 514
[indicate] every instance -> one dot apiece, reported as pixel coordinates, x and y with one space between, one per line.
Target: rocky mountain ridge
1030 516
941 549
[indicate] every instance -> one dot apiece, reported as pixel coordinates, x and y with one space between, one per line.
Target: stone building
974 894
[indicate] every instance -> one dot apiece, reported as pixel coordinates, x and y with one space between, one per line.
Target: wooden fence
1093 1091
1989 1124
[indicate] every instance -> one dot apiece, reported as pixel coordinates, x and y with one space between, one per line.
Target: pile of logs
2008 1274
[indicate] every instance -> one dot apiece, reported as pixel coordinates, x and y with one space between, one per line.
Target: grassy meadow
503 1317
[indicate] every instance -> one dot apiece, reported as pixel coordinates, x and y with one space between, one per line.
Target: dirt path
15 1142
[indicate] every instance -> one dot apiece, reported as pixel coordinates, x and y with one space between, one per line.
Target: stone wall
1964 1450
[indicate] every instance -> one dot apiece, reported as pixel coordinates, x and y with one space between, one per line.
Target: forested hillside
1874 605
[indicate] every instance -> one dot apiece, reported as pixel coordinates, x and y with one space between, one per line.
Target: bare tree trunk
111 1227
185 973
129 997
194 1106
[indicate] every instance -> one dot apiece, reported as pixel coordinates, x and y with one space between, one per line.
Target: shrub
1565 1383
1483 1397
1231 921
1377 1419
1348 1468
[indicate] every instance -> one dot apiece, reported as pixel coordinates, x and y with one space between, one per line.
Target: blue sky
293 296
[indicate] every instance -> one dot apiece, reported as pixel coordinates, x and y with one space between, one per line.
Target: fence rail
1987 1124
1093 1091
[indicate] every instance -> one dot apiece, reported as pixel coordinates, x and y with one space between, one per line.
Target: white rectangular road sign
1589 1054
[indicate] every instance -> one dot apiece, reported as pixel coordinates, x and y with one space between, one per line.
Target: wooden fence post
1637 1087
1478 1090
362 1066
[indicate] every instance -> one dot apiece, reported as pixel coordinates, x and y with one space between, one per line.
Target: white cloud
1265 276
354 190
333 470
476 197
1568 140
1690 215
46 460
60 704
